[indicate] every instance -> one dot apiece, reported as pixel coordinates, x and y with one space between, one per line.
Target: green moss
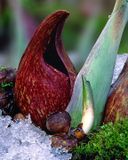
109 142
6 84
2 68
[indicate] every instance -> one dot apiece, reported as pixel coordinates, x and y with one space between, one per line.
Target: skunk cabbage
45 76
117 103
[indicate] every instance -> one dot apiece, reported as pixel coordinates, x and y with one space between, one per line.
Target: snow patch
120 61
23 141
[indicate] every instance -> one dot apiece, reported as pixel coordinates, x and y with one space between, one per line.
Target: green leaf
88 107
87 39
99 66
84 112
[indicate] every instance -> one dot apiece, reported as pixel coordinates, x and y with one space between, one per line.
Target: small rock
58 122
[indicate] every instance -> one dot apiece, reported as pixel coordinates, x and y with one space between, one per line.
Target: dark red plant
117 103
45 76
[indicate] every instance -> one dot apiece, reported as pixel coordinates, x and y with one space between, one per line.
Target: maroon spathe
42 88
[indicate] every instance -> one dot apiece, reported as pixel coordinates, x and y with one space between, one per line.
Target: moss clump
2 68
7 78
109 142
6 84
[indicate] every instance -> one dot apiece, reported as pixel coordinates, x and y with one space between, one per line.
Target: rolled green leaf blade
99 66
88 107
84 112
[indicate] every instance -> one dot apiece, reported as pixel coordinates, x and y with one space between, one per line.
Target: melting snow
120 61
23 141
